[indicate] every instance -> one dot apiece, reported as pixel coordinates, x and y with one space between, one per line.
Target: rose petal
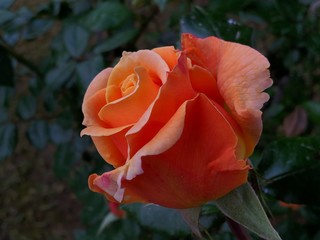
107 140
95 188
98 131
144 58
113 148
173 176
168 54
94 99
242 76
182 178
129 109
98 83
109 184
203 81
172 94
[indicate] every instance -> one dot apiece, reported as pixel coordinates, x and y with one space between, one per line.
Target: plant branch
21 59
237 230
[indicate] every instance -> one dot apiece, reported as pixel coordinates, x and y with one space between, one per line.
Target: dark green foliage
291 169
8 136
106 16
6 69
75 39
41 92
38 134
160 219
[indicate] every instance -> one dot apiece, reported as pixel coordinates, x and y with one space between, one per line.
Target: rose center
128 85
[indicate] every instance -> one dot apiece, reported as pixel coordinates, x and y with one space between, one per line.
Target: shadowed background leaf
291 170
49 52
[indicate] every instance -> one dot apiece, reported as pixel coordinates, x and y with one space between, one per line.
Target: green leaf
127 230
6 95
159 218
58 134
75 39
4 114
6 69
243 206
289 165
202 24
313 110
191 217
8 136
107 220
5 16
105 16
80 6
64 159
58 76
27 106
198 24
161 4
11 38
292 230
5 4
22 16
36 28
116 40
38 134
87 70
222 7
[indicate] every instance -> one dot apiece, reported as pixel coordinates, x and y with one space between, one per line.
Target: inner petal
128 85
204 82
113 92
128 109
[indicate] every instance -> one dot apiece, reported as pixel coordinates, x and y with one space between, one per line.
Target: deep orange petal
172 94
110 143
242 76
189 162
203 82
201 166
113 149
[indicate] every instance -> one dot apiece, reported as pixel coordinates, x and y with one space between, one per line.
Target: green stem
208 235
239 232
21 59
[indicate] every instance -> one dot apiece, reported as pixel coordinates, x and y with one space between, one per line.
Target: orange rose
177 126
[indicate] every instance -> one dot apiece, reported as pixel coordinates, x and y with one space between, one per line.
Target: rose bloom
177 126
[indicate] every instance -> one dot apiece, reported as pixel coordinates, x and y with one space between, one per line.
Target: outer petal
113 149
172 94
107 140
242 74
173 176
110 143
94 99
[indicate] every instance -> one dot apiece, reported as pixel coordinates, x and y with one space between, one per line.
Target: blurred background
51 49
